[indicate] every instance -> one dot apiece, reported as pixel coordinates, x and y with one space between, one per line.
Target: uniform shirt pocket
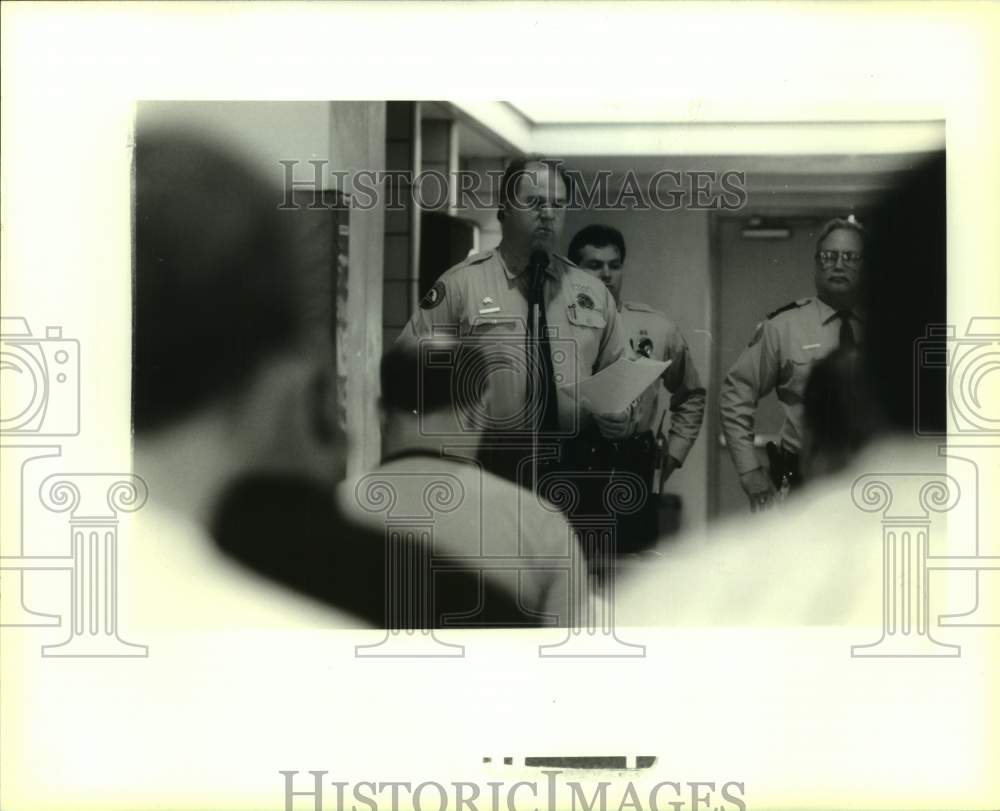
498 327
798 378
800 367
586 331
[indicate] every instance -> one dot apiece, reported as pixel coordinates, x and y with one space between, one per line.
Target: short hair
433 376
600 236
841 224
518 167
213 295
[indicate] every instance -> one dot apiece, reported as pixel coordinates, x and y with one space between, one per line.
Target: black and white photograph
541 406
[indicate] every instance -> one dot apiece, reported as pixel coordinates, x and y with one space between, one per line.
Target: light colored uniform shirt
779 358
651 334
481 297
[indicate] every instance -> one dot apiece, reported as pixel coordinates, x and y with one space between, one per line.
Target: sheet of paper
612 389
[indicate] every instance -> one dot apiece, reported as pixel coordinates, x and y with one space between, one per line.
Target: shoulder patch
792 306
645 347
433 297
637 306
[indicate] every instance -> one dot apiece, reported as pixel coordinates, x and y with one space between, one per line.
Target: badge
486 306
646 348
585 301
434 297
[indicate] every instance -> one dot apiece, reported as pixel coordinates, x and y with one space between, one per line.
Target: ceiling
781 160
626 129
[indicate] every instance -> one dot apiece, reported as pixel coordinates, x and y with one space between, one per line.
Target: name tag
488 310
812 346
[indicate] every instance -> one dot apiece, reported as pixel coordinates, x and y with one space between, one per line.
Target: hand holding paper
612 426
613 389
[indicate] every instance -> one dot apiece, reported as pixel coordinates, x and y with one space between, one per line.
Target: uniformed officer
600 250
491 297
782 351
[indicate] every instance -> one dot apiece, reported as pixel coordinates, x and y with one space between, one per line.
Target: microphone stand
536 266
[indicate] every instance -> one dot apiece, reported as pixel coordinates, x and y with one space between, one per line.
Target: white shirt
814 560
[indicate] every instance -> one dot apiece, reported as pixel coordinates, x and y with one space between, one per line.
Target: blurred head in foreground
837 422
432 393
223 382
905 293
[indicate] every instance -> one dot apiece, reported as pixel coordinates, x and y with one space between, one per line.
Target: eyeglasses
852 259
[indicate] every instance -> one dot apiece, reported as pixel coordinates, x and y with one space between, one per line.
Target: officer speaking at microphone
780 356
548 323
600 251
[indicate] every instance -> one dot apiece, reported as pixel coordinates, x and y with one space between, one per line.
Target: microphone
537 263
539 260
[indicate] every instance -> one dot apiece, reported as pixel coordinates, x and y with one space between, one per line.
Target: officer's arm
439 309
687 396
753 376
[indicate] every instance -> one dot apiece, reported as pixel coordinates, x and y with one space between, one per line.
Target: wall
668 267
426 148
261 132
357 141
398 273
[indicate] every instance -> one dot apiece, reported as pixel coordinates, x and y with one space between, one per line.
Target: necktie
541 391
846 333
